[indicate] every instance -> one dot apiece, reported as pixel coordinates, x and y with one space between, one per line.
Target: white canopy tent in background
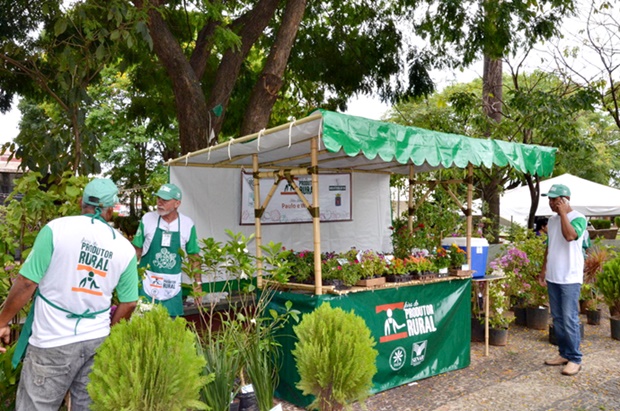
587 197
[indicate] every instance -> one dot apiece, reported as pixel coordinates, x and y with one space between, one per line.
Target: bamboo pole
257 226
316 218
410 199
470 195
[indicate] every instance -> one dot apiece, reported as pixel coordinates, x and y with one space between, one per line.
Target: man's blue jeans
564 304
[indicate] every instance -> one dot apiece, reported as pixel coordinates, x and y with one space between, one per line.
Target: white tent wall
212 198
587 197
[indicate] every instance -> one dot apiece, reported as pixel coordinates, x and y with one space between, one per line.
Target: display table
421 330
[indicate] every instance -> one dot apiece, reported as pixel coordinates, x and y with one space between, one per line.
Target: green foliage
224 361
148 363
608 282
240 343
9 379
34 202
600 223
335 357
617 221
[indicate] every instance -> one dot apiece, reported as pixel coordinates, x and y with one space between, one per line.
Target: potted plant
302 267
441 260
397 271
372 266
499 304
335 357
160 346
608 283
458 257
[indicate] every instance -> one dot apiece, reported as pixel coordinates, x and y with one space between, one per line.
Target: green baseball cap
100 192
169 192
558 190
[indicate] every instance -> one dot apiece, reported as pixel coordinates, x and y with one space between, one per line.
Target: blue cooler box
479 252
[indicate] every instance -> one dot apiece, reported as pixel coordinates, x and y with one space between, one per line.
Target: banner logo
418 351
398 358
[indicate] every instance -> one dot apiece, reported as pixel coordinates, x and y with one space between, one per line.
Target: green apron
24 336
26 332
162 282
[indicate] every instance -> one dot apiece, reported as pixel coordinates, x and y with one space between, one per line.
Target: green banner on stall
420 330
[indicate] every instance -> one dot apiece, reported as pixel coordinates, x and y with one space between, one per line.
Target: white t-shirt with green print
78 262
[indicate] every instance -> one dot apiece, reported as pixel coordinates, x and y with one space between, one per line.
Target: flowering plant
522 262
458 256
418 264
397 267
371 264
499 304
442 258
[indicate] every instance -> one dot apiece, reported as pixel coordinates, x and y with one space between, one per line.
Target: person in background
75 265
158 241
541 226
562 272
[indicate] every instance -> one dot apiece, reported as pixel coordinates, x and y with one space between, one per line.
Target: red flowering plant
302 266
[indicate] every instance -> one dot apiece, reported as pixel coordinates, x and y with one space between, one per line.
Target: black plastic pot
520 315
593 317
615 328
247 401
537 318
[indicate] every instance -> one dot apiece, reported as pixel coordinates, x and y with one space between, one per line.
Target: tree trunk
191 108
491 101
250 26
534 185
266 89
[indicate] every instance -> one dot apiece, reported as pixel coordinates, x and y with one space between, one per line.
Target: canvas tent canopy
587 197
328 142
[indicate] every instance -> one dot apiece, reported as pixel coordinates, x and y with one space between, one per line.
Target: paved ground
514 378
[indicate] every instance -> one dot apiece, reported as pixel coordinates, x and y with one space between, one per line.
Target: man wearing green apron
160 237
75 265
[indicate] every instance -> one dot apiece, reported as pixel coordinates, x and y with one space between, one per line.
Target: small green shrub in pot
149 363
608 283
617 221
335 358
600 224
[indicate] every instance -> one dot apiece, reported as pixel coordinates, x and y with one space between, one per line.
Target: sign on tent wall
285 205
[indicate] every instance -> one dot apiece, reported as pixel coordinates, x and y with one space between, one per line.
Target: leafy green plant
224 361
34 202
149 363
617 221
240 344
600 223
397 266
608 282
9 379
335 357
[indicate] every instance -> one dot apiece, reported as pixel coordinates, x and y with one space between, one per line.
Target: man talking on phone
562 271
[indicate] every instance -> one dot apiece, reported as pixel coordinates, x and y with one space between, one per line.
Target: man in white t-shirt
563 273
75 265
160 238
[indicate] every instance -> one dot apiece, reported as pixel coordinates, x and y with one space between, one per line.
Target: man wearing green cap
562 272
75 265
161 236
